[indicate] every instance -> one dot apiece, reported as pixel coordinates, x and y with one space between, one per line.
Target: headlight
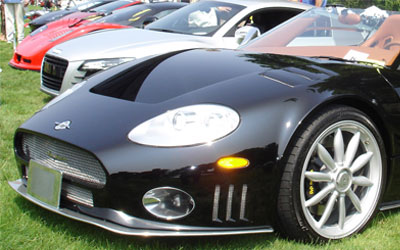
63 95
102 64
37 31
186 126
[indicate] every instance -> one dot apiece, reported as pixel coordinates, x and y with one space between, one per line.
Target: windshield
88 5
135 15
370 35
110 6
201 18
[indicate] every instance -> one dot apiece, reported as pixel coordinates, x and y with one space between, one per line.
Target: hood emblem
62 125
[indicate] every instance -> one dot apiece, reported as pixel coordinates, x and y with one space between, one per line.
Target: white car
205 24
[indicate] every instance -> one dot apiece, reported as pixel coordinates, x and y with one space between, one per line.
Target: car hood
232 78
41 42
133 42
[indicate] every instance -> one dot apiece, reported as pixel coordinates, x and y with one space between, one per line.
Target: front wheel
334 176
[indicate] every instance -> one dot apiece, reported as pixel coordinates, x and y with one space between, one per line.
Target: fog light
168 203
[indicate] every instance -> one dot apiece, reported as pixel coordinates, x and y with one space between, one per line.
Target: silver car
205 24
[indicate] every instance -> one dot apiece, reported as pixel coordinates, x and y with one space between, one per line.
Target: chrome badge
62 125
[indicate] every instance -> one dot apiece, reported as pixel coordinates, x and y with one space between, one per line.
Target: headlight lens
63 95
186 126
102 64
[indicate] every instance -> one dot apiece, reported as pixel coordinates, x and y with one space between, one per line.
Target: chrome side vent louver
230 204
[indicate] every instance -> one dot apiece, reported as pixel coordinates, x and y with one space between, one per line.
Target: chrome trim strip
229 203
243 203
276 80
48 91
173 230
217 193
389 206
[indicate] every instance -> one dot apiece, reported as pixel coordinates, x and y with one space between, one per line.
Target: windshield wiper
165 30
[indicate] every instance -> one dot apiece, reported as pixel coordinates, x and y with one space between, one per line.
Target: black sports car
217 142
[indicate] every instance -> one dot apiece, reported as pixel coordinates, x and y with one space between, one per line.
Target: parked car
205 24
29 54
102 10
217 142
55 15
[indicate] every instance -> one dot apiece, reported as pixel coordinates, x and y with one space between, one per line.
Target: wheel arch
367 107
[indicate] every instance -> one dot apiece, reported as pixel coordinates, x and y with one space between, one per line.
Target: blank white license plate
44 183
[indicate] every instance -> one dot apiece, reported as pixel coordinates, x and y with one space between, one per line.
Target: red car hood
30 52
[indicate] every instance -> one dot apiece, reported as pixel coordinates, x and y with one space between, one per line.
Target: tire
325 193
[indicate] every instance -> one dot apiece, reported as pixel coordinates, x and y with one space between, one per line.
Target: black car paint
274 96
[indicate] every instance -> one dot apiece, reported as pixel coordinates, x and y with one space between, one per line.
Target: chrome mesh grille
76 164
53 70
77 194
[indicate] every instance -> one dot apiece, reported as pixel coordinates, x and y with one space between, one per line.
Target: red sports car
30 52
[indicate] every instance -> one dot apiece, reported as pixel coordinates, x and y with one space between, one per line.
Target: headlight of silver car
102 64
187 126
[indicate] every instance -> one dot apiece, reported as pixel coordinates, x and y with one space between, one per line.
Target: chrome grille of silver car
77 194
53 70
76 164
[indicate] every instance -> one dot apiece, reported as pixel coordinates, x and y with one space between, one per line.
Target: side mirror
244 34
148 20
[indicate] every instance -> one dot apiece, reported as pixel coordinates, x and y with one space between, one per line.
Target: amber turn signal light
233 162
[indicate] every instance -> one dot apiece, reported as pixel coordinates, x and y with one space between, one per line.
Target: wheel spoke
325 157
354 199
328 209
317 176
342 211
360 162
320 195
351 149
362 181
338 146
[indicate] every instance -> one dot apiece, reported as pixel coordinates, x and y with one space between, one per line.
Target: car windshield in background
370 35
201 18
109 7
132 16
88 5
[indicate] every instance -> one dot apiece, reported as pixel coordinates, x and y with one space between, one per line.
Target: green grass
24 225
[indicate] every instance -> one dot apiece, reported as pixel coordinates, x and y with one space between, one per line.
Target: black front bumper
117 221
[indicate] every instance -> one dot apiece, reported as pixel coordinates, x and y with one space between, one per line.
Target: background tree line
383 4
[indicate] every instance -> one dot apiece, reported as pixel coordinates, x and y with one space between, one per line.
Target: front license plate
44 183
